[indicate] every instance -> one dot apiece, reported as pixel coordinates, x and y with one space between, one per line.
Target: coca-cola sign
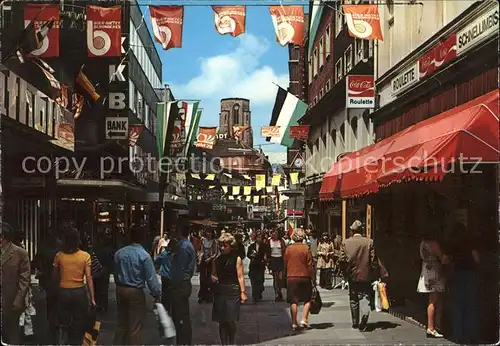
360 91
439 55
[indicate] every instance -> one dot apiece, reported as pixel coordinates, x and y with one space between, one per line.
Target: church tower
233 112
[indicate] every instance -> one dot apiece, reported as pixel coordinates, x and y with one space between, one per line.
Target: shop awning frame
424 151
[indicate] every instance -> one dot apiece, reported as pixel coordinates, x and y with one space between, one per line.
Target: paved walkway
268 322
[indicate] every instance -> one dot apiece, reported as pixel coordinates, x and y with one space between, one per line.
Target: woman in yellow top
71 266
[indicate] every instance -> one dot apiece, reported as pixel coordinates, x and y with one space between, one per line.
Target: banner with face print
206 137
167 25
288 24
104 31
363 21
230 19
42 13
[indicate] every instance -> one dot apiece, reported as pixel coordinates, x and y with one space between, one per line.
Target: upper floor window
236 114
327 86
315 62
339 19
310 71
338 71
321 51
328 41
348 59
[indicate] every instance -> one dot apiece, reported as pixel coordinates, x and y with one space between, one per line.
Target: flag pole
161 184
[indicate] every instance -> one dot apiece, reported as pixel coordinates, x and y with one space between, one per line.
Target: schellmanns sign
360 91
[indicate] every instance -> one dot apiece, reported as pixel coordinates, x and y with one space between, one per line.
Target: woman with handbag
228 276
325 261
300 277
208 254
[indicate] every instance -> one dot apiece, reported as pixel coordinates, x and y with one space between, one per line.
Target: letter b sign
98 41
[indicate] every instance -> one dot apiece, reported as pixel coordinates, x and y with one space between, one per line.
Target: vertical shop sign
104 31
360 91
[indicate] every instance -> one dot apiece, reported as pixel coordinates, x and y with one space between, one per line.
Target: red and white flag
104 31
288 24
41 14
206 137
363 21
167 25
230 19
134 132
77 104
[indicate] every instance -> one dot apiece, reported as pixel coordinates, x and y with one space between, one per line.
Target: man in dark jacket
257 253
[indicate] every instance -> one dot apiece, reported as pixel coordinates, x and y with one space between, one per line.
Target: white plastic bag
165 322
378 304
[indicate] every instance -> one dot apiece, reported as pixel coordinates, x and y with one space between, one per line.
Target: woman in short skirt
276 263
230 292
300 277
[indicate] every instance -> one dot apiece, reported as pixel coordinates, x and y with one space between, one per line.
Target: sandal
304 324
433 334
295 327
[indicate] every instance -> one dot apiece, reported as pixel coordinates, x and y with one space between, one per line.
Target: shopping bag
90 336
376 298
165 323
316 302
384 301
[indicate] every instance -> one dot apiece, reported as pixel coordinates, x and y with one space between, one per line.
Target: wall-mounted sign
479 30
360 91
406 79
438 56
116 128
300 132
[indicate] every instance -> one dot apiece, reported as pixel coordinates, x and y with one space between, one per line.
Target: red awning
425 151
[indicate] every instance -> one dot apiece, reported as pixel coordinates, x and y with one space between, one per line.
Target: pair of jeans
101 288
465 306
166 294
180 293
73 313
131 303
206 285
359 300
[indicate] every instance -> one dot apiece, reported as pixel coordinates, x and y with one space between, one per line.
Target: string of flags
104 26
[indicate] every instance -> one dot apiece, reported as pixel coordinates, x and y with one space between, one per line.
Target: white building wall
411 26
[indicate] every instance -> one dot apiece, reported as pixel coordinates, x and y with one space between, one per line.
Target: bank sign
360 91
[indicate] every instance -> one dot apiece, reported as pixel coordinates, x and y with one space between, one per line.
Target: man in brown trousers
359 264
15 281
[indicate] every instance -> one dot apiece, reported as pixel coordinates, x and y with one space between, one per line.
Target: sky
210 66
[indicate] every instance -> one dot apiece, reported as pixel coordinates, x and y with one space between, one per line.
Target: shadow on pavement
321 325
370 327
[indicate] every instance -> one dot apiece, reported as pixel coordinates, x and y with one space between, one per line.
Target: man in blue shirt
164 261
182 270
134 269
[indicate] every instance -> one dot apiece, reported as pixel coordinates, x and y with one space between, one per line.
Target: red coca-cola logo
426 62
360 85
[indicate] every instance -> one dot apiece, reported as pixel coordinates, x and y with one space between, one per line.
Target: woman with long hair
209 252
71 267
432 282
276 262
228 275
300 277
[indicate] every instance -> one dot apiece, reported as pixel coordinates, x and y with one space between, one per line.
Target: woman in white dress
432 282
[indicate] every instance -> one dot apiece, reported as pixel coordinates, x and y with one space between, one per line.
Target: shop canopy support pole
344 219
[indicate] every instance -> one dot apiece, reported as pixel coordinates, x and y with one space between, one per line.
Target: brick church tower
236 111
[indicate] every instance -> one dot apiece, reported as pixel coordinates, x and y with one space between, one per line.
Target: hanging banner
229 175
288 24
294 178
230 19
195 176
104 31
134 132
211 187
300 132
210 177
360 91
236 190
42 13
62 100
269 189
206 137
260 182
247 190
246 176
224 188
363 21
77 104
87 85
256 199
248 198
167 25
238 132
276 179
270 131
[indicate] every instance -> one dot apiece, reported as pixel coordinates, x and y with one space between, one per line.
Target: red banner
363 21
230 19
300 132
167 25
206 137
104 31
238 131
134 131
439 55
49 47
288 24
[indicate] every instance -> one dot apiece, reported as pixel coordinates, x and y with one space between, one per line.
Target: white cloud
235 74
